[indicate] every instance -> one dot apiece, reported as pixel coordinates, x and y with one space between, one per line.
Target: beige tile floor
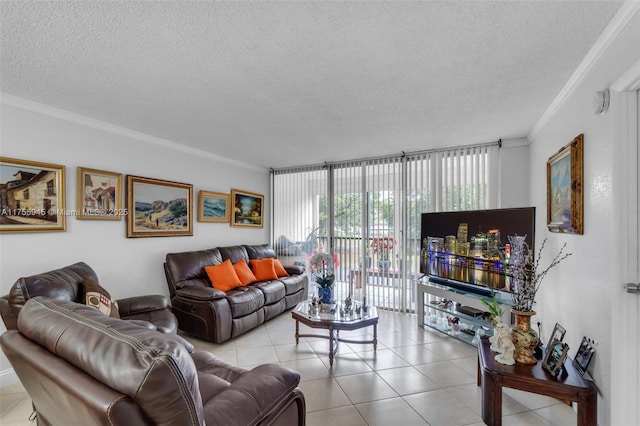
416 377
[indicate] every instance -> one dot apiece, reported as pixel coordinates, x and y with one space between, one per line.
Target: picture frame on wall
158 208
213 207
565 198
32 198
247 209
99 195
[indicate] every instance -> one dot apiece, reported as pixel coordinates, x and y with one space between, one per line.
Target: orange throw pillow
223 277
280 271
263 269
244 272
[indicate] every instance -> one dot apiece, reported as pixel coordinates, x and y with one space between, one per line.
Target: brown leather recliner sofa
153 311
81 367
217 316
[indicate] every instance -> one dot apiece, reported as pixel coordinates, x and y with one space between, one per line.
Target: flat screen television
470 249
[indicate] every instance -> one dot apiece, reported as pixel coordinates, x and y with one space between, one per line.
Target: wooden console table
492 376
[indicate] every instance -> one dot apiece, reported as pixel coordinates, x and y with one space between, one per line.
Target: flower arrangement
383 247
322 265
494 308
526 274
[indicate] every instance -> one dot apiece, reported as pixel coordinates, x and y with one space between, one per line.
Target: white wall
514 174
578 293
125 266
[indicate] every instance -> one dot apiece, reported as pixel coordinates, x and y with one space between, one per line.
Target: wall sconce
601 102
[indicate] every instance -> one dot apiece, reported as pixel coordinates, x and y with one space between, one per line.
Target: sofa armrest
259 392
294 269
200 293
138 304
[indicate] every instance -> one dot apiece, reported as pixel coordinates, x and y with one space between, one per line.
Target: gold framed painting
158 208
247 209
99 195
213 207
32 196
565 198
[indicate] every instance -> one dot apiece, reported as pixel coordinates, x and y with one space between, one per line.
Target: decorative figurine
365 307
347 303
501 342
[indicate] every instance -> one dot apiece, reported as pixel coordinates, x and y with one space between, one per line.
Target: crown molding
620 20
28 105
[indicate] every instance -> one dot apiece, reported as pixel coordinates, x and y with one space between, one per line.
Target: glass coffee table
334 322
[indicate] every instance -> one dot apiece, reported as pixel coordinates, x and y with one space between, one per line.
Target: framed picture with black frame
558 334
583 357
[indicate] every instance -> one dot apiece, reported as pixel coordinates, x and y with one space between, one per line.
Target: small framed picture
247 209
558 334
99 195
554 357
584 355
213 207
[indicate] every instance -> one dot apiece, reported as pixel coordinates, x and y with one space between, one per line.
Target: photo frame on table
565 197
247 209
158 208
554 357
213 207
99 195
583 357
33 196
557 334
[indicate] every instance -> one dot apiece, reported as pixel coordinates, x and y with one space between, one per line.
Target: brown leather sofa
217 316
81 367
153 311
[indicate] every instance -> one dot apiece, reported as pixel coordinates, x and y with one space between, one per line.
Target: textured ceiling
275 84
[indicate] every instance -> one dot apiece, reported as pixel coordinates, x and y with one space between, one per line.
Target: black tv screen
470 249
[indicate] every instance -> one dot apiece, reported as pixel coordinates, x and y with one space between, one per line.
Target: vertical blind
367 213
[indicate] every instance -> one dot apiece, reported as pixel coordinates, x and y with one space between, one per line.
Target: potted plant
494 308
322 266
527 277
382 247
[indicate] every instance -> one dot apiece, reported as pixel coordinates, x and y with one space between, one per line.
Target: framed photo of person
584 355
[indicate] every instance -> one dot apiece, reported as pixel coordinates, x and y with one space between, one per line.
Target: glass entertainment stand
456 312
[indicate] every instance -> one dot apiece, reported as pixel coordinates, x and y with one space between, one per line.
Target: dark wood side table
570 386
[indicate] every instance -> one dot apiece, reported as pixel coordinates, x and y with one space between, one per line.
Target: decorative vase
325 294
384 265
524 338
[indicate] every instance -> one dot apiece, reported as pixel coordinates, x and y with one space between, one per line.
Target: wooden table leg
297 332
588 409
491 399
375 336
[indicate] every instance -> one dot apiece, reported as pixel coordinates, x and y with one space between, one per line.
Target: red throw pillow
223 277
244 272
280 271
264 269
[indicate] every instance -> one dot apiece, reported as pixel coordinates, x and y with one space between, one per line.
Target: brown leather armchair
81 367
152 311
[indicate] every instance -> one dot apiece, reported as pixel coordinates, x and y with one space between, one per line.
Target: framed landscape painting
213 207
99 195
31 196
158 208
564 189
247 209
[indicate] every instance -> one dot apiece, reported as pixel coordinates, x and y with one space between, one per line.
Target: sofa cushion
260 251
243 272
186 269
264 269
293 283
272 290
244 301
234 253
223 276
94 295
154 369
